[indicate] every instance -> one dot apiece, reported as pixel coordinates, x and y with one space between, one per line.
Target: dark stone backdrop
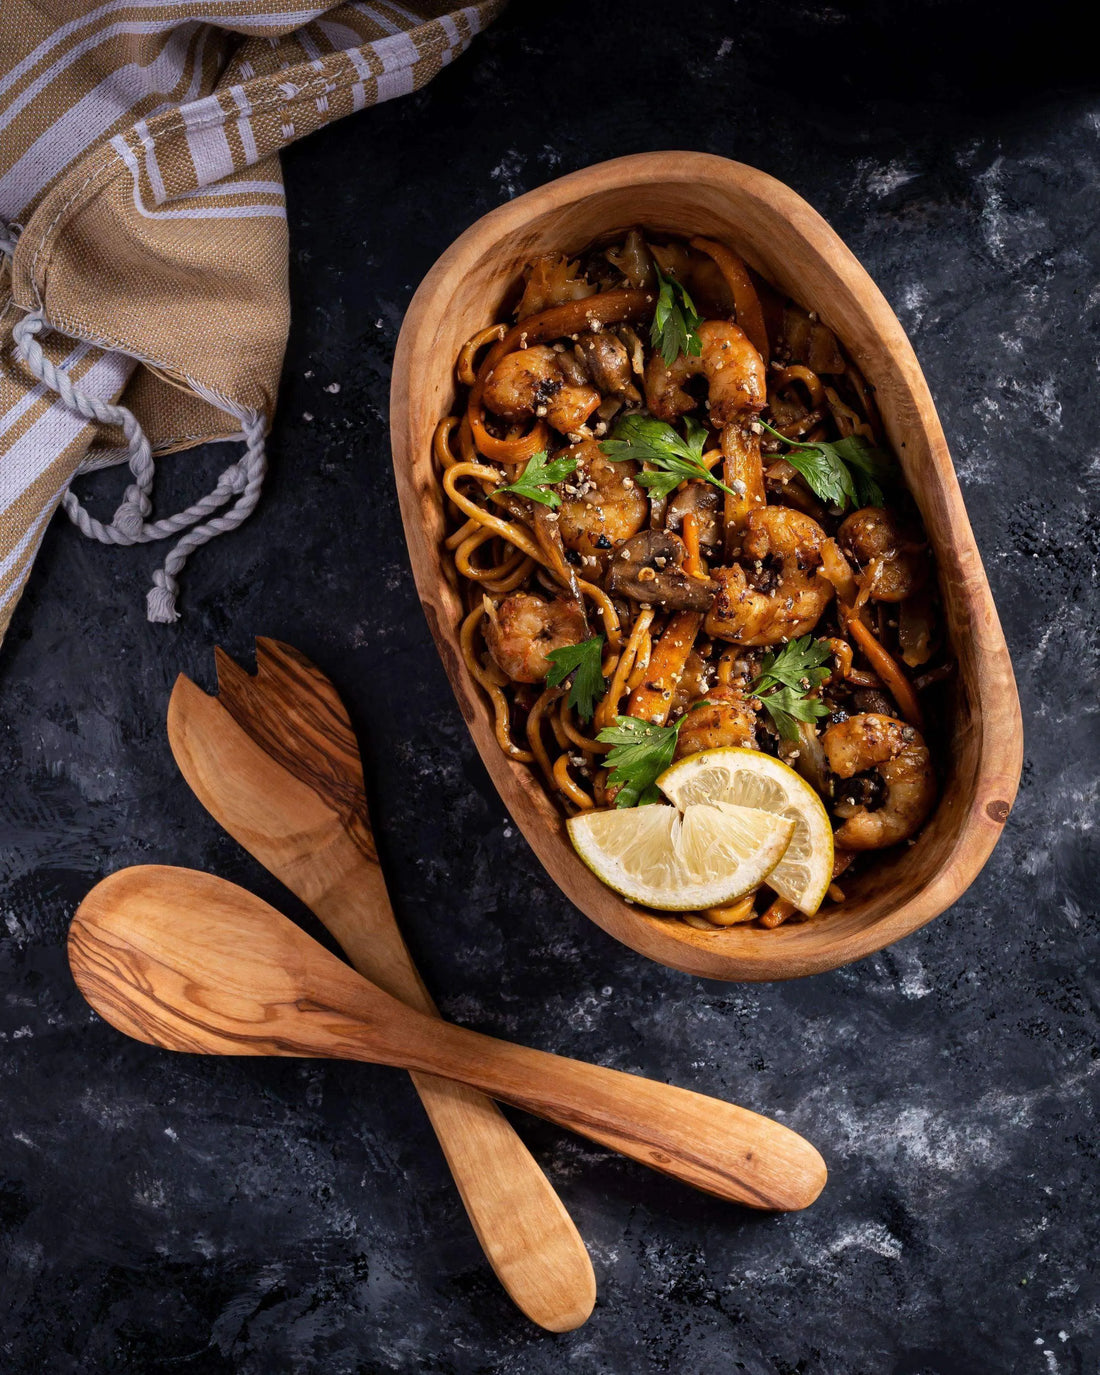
165 1214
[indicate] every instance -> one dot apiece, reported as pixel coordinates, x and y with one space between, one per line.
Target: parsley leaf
675 321
797 665
826 474
538 476
585 662
846 470
787 707
645 440
785 679
642 753
871 469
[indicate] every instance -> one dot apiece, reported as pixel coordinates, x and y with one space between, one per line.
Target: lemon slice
706 855
748 778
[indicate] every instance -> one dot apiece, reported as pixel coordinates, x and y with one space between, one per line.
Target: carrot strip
887 668
693 563
574 317
747 303
652 700
518 450
777 913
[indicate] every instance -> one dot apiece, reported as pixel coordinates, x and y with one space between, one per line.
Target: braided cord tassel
245 477
131 524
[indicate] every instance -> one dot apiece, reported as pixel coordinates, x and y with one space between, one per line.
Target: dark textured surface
165 1214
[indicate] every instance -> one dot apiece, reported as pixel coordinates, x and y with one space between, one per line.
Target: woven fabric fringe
143 245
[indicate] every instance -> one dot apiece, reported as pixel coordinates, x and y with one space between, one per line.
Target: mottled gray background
164 1214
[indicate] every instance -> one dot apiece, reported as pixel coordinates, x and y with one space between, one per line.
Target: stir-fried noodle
665 469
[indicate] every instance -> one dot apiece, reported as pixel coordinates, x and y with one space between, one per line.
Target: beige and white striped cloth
143 243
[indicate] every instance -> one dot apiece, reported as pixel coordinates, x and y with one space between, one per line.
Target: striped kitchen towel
143 244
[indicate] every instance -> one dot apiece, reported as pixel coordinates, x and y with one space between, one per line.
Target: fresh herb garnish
785 680
871 469
643 751
845 470
645 440
538 476
585 662
675 321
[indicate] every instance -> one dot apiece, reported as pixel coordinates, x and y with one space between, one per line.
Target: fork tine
304 691
294 713
233 681
295 676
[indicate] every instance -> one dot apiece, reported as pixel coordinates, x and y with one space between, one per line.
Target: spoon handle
713 1145
189 962
524 1229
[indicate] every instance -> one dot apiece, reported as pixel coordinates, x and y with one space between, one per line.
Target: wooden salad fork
273 758
191 962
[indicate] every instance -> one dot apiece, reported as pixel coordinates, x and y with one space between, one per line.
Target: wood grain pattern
780 236
275 761
190 962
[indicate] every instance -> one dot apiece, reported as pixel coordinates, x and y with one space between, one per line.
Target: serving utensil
273 758
784 239
191 962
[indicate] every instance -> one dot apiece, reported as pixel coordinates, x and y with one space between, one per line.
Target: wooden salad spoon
273 758
191 962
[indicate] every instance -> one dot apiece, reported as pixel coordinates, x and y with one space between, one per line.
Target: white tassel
131 525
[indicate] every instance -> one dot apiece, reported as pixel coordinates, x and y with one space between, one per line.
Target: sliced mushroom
573 369
870 699
607 361
702 500
649 568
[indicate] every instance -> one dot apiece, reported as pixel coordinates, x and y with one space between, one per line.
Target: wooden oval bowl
785 240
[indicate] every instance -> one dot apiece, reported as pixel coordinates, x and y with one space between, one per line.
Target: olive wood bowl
779 235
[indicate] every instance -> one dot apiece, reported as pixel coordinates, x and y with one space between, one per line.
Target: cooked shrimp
733 369
529 382
895 566
524 628
602 505
889 764
778 595
692 687
722 718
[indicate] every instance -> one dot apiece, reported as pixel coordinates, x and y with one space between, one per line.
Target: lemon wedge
747 778
674 859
